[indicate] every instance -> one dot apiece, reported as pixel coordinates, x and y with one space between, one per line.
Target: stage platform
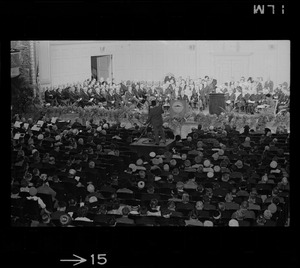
143 146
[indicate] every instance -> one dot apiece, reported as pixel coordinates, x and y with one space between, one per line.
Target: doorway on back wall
101 66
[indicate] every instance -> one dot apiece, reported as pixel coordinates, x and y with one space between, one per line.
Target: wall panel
62 61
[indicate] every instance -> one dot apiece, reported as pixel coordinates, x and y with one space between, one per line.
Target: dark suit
48 96
156 120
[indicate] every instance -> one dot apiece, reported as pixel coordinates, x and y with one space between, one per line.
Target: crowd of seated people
66 174
251 95
244 95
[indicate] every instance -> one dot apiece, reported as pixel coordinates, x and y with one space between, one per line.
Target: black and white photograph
150 133
138 124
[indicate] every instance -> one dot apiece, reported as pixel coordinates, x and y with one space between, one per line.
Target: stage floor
144 147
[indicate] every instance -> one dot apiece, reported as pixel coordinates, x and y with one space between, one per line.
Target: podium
216 102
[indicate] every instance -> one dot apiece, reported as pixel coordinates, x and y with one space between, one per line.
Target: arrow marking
79 260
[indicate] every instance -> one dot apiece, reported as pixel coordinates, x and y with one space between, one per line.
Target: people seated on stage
243 95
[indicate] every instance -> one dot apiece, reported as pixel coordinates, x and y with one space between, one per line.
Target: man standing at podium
156 120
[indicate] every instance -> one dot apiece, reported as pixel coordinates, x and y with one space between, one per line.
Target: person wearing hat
65 220
208 223
233 223
217 219
92 192
156 120
46 221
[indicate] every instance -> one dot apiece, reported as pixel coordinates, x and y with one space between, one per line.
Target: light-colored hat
99 128
90 188
166 167
140 168
233 223
273 164
272 207
105 126
179 185
72 171
210 174
239 164
141 184
139 162
157 178
152 154
267 214
208 223
215 156
133 167
173 162
155 161
217 168
93 199
221 152
206 163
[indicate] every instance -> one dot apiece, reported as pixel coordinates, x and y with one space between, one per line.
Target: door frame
110 72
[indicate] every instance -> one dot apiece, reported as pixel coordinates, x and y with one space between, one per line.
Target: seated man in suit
49 98
156 120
